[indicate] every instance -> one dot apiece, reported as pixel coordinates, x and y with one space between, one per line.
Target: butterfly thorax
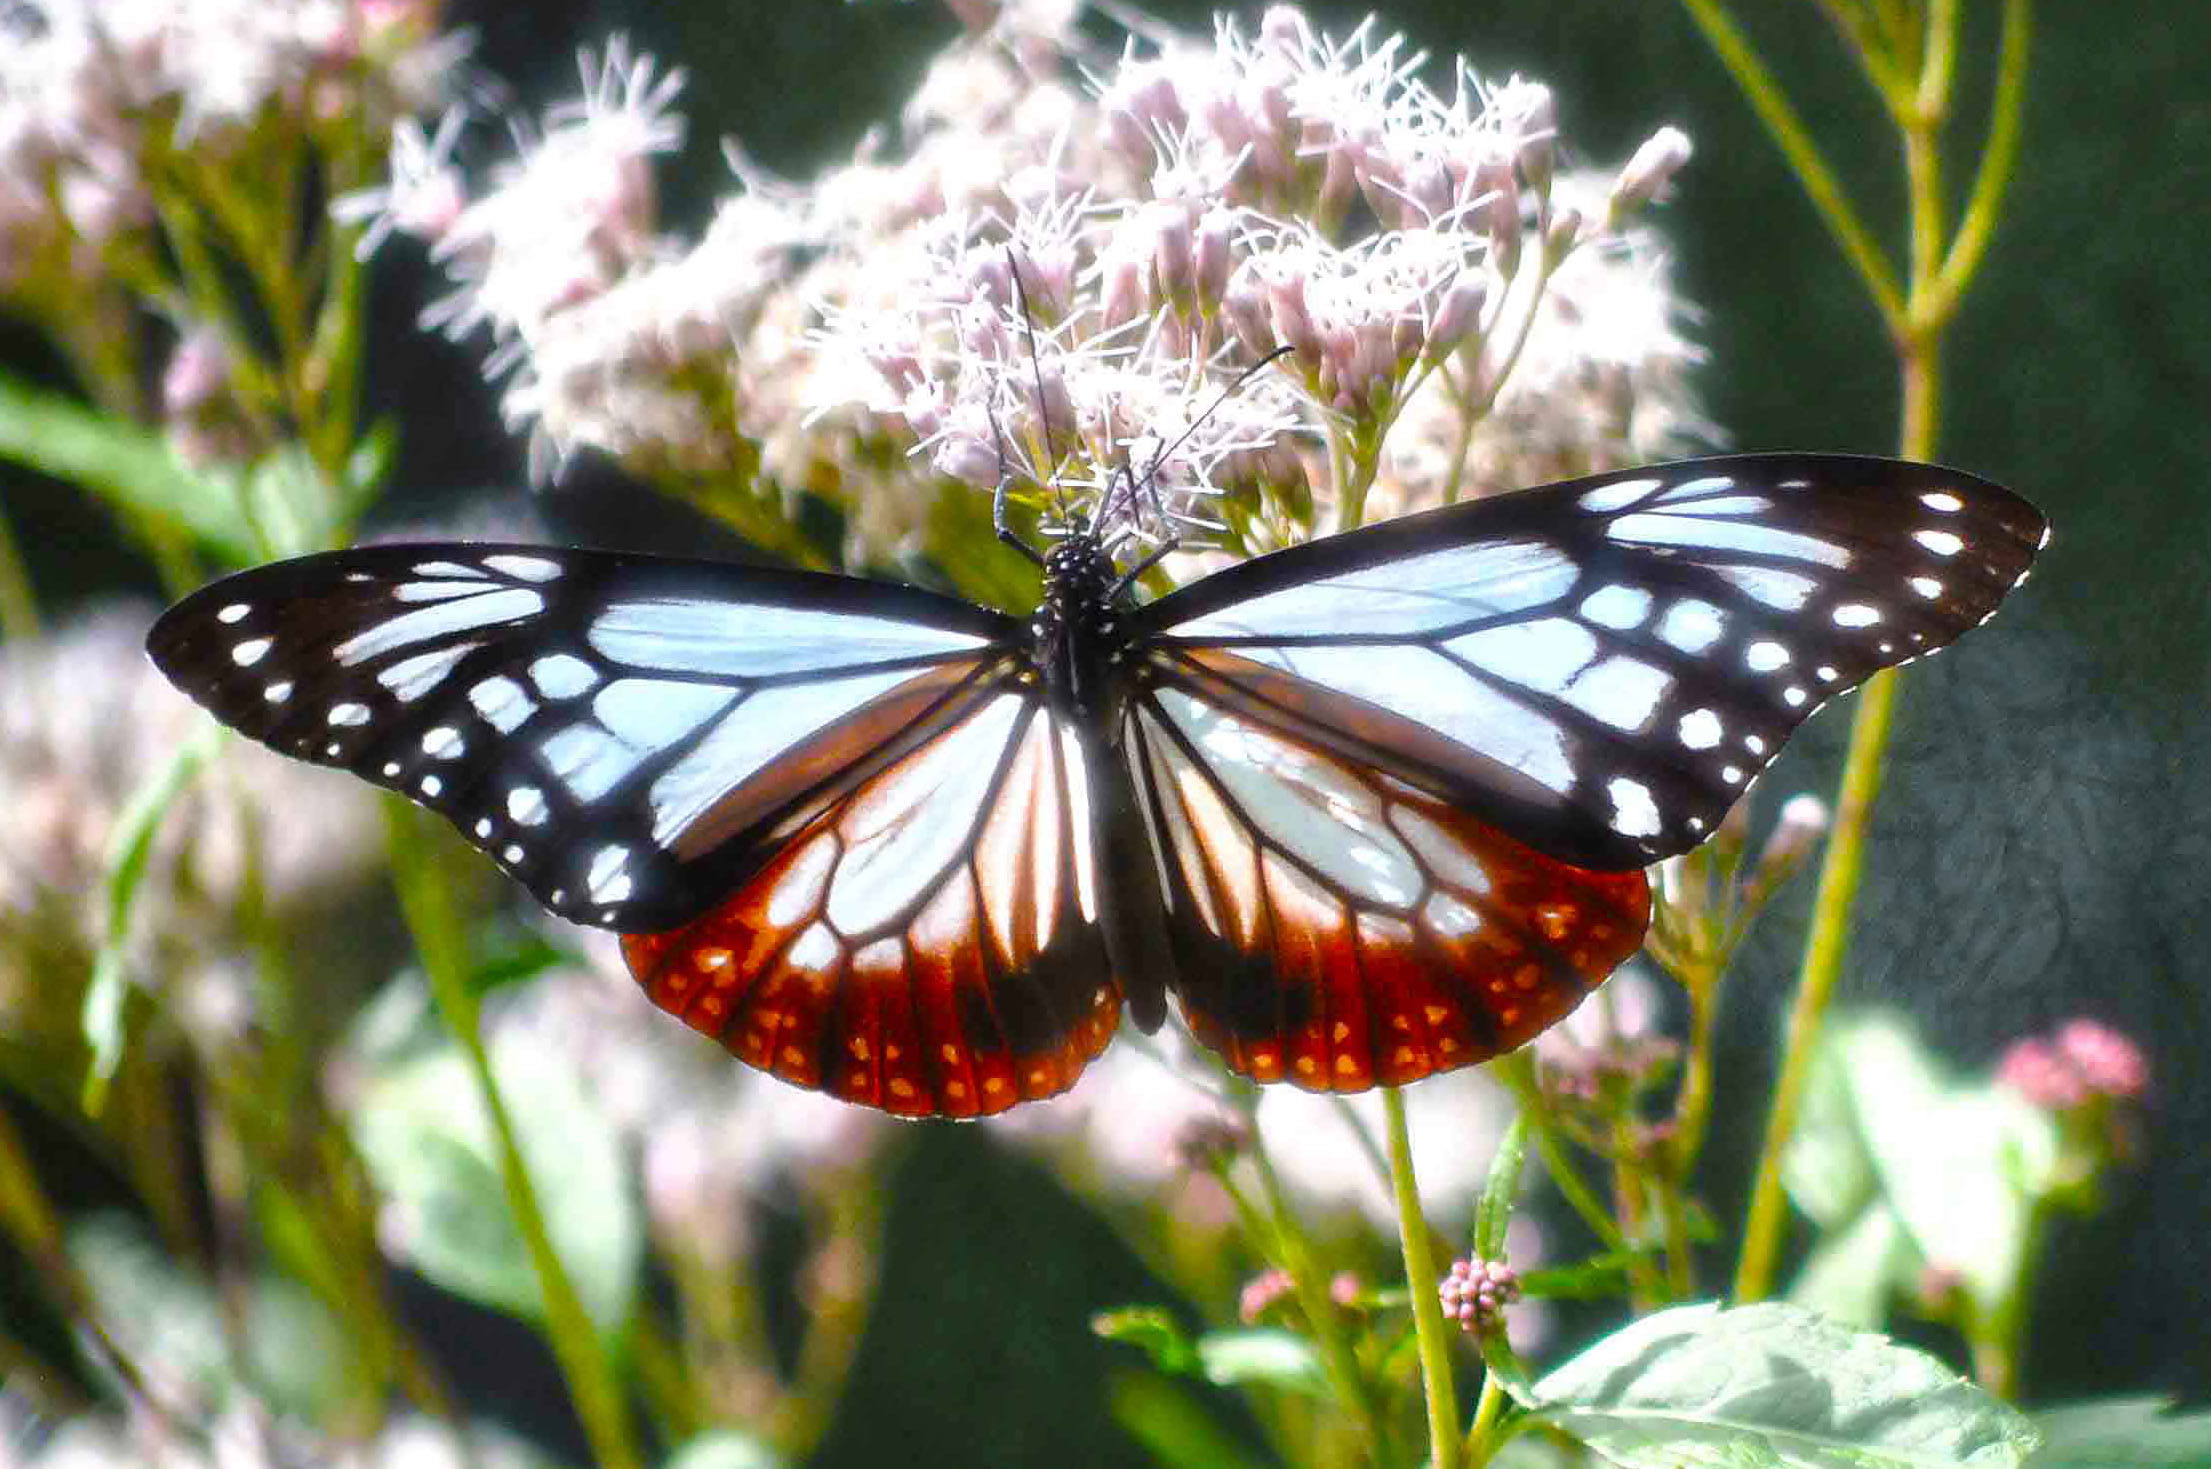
1077 634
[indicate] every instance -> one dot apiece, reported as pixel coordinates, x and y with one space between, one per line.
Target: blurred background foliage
2042 849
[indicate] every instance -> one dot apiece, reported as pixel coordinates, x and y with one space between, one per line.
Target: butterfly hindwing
618 732
925 943
1601 667
1335 927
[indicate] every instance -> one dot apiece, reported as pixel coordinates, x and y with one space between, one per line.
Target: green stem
1978 225
426 899
1337 1358
19 619
1421 1277
1773 109
1482 1442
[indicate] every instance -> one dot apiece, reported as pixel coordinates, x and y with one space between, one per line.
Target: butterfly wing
1335 927
925 943
622 734
1600 667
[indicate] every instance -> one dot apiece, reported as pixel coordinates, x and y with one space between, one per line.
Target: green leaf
130 845
1592 1279
1826 1168
1853 1272
427 1141
516 956
1266 1355
1774 1385
724 1448
1172 1424
1227 1358
1156 1332
2122 1433
1960 1164
1495 1210
121 462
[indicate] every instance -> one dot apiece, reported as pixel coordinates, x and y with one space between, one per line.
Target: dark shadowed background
2043 848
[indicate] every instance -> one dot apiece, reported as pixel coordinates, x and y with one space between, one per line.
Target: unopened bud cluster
1476 1292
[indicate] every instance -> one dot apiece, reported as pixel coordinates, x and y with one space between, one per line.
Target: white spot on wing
410 678
1617 607
250 652
1942 502
432 785
526 804
524 568
1417 594
1856 614
347 715
1621 691
278 692
1701 729
1785 591
1618 495
756 640
1941 542
1545 655
1691 625
562 675
502 703
1634 813
1764 656
606 881
235 612
442 742
1927 587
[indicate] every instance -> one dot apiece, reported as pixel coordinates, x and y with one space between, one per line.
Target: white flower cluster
95 92
1058 267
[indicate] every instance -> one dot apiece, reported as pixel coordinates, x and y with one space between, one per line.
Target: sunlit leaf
1775 1385
121 462
2122 1433
1277 1358
1495 1209
428 1142
724 1448
1853 1272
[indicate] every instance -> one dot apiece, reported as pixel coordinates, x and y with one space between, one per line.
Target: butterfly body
1370 808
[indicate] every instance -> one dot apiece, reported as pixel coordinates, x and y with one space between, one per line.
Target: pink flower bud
1459 315
2107 1061
1649 175
1216 234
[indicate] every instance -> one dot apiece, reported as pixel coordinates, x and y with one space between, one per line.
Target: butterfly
1369 808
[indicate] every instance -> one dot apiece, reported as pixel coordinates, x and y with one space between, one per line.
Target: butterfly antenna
998 497
1150 478
1036 368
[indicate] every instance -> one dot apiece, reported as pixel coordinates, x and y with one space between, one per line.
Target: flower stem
426 899
1437 1386
1481 1440
1337 1358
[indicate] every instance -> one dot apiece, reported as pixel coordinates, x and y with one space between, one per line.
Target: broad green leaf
1774 1385
1825 1168
1854 1271
1261 1354
121 462
1172 1424
1958 1163
724 1448
2122 1433
428 1142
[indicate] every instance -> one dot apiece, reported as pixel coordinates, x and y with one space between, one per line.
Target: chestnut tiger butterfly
1369 808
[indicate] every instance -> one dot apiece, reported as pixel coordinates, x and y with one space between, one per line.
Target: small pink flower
2106 1061
2035 1070
1262 1293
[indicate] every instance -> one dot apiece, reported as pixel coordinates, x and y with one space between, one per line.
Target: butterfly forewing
1334 927
1601 667
925 943
620 733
